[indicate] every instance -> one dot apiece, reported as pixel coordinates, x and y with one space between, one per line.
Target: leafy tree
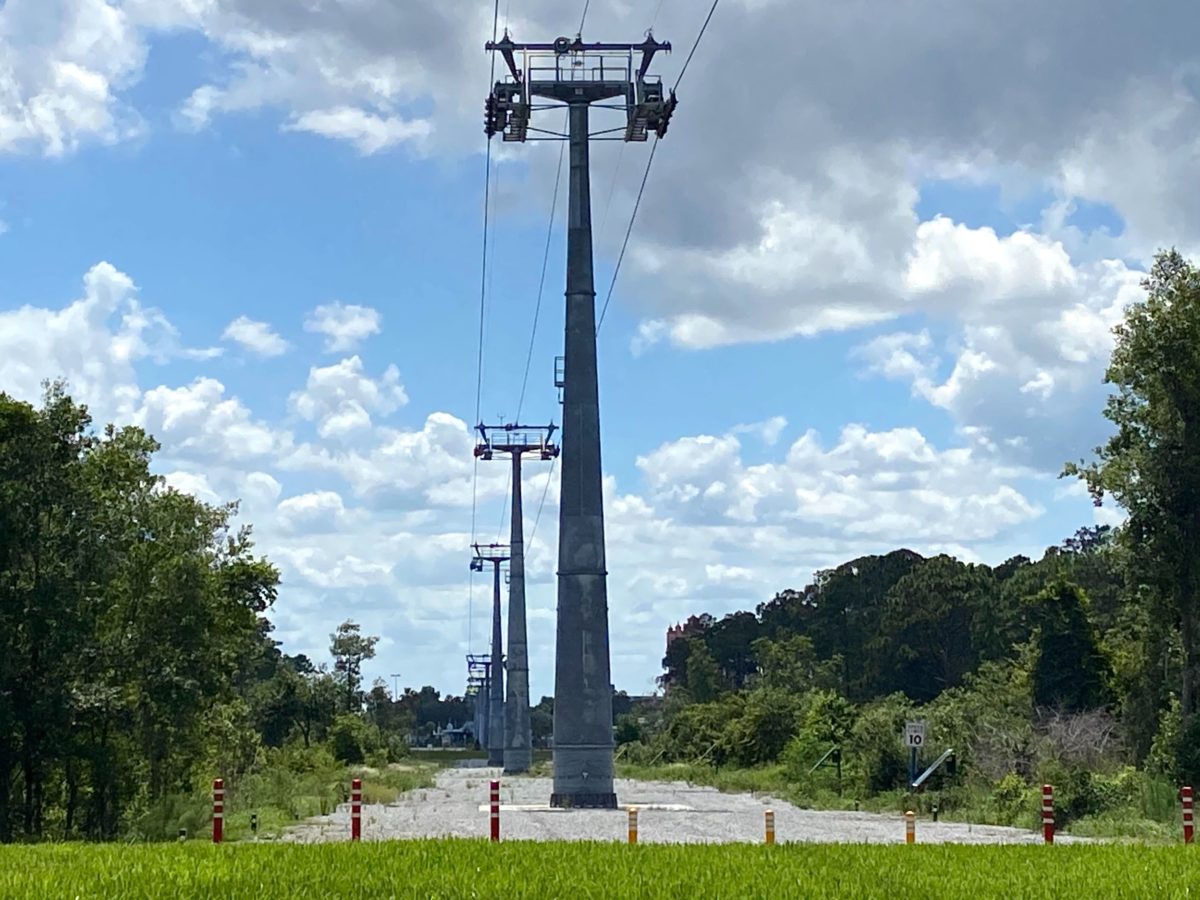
791 664
704 678
1071 673
541 720
941 619
130 617
766 723
841 612
350 649
1151 465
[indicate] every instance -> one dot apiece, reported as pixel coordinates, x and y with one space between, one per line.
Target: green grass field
478 869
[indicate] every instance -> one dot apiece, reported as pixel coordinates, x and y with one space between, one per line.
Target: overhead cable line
699 38
483 283
542 505
536 316
646 176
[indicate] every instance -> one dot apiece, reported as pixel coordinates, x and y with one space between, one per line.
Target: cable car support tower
496 555
580 76
516 442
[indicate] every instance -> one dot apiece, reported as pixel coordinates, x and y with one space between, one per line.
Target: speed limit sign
914 734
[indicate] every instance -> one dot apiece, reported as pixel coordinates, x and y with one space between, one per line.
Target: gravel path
672 812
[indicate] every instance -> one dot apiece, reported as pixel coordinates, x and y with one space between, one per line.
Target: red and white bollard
218 810
1188 822
495 810
1048 813
356 809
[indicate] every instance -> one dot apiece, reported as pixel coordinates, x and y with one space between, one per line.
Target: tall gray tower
515 442
577 75
497 555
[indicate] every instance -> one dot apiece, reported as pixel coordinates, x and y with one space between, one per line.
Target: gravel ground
672 812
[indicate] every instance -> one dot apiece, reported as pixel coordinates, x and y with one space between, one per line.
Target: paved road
667 813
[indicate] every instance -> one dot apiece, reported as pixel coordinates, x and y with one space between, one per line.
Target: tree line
136 657
1083 664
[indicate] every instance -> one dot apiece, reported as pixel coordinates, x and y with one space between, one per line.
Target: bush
353 739
877 756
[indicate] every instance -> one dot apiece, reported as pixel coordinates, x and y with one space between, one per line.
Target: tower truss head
513 440
570 71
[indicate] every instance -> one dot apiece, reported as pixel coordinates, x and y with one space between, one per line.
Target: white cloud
195 484
198 421
93 343
64 63
891 485
315 513
769 431
368 133
344 326
340 398
1035 336
257 337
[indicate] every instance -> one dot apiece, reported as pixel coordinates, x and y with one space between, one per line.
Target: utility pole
579 75
515 441
395 686
496 554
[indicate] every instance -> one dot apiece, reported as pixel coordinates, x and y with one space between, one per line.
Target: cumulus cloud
892 486
93 342
1034 335
344 326
65 63
368 133
340 398
315 513
257 337
198 421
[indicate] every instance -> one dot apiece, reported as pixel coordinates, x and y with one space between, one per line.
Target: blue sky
850 320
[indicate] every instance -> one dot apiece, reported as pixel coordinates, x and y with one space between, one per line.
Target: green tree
1071 673
1151 465
941 619
791 664
350 649
704 678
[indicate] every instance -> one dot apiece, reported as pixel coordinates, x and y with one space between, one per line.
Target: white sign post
914 738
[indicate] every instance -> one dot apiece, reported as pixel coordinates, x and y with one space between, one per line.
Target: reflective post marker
1048 813
910 827
1188 822
218 810
770 823
495 810
633 825
356 809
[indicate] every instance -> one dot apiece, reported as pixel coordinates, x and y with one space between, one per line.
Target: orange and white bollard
495 810
356 809
1188 821
218 810
1048 813
633 824
769 816
910 827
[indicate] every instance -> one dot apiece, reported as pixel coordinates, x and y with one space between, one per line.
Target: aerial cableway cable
483 284
646 175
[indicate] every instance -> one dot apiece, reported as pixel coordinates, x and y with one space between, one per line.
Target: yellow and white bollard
910 827
633 828
770 820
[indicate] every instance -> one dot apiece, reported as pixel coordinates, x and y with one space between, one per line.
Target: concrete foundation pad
547 808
